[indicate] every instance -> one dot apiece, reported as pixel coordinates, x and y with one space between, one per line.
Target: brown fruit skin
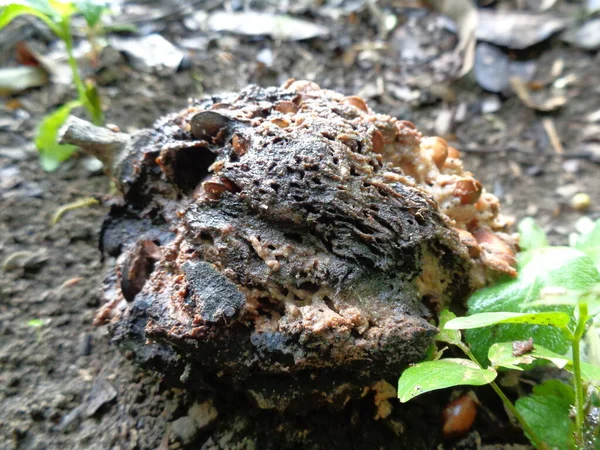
458 417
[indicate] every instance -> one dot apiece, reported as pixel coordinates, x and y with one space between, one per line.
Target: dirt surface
63 385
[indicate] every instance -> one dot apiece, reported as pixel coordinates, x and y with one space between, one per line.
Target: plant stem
81 89
515 412
577 384
537 442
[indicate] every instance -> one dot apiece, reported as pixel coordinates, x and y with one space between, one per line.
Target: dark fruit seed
286 107
215 187
207 125
239 144
137 268
468 190
378 142
458 417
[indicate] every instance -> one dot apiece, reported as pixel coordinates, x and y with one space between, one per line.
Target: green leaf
42 6
556 388
91 10
12 11
531 235
501 355
51 152
37 323
559 361
546 411
589 243
63 9
556 319
589 372
431 375
445 335
541 268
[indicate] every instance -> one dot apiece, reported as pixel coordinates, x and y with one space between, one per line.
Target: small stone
491 68
184 430
568 190
92 165
85 344
571 166
581 201
149 53
266 57
102 393
490 104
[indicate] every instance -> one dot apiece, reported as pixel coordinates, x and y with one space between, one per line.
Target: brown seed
288 83
409 169
137 266
453 153
438 149
216 166
357 102
239 144
468 190
458 417
286 107
222 105
207 125
469 241
280 122
216 186
304 86
406 124
378 142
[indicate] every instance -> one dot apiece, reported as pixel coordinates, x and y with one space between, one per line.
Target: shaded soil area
63 385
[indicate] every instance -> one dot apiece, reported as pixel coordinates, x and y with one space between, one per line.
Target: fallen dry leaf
524 94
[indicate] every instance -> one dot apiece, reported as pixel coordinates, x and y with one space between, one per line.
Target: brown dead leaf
465 16
523 92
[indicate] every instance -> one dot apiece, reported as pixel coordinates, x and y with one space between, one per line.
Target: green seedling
552 302
57 16
37 325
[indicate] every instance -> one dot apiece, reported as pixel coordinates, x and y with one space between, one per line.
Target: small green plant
57 16
551 304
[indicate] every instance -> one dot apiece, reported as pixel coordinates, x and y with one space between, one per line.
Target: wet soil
63 385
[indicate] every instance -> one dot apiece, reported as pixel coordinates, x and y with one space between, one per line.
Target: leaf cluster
550 306
57 16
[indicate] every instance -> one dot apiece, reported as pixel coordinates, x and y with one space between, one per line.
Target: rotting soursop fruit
289 242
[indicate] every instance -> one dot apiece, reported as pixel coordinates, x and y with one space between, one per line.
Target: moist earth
63 385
